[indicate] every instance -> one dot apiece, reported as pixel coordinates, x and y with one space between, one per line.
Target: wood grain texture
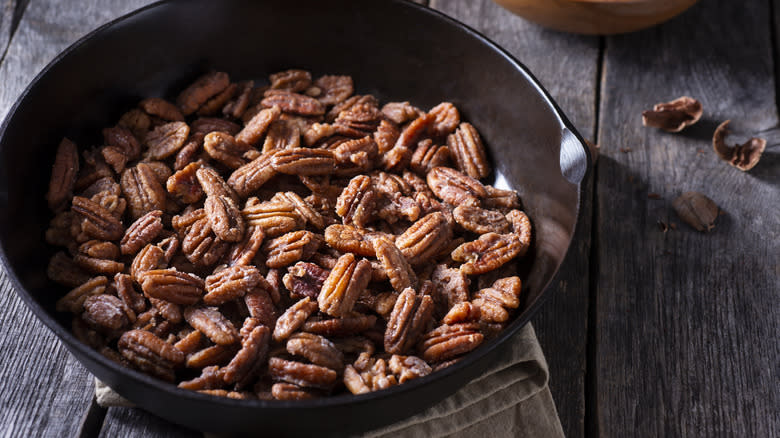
7 8
567 66
688 322
45 390
129 422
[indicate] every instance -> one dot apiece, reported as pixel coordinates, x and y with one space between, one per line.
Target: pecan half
334 89
225 218
257 126
500 199
106 313
125 290
73 301
480 221
243 252
449 341
149 258
450 287
304 209
408 367
346 281
745 156
673 116
210 378
294 103
172 285
248 178
347 238
170 311
348 325
454 187
124 139
210 322
385 136
425 238
400 112
398 269
206 87
224 148
410 317
428 155
201 246
293 318
165 140
137 122
230 283
305 279
289 391
446 119
292 80
291 247
356 203
63 175
306 375
250 358
150 354
142 232
143 190
96 221
496 301
469 153
304 161
184 184
316 349
274 217
261 305
487 253
161 108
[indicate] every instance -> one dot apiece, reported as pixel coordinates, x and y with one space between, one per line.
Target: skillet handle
574 156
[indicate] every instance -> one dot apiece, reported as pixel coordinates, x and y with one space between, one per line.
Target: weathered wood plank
45 391
127 423
7 8
687 321
567 66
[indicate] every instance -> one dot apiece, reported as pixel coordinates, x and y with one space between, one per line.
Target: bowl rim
139 378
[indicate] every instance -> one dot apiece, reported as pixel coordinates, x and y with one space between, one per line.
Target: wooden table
649 333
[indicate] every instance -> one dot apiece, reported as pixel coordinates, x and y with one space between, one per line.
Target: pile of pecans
286 241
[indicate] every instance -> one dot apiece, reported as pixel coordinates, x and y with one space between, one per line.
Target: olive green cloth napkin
511 399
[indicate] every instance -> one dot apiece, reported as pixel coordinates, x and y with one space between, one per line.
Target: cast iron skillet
393 49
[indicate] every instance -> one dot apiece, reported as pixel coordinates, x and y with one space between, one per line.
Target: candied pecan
358 120
346 281
209 356
289 391
291 247
204 88
488 252
274 217
356 203
58 232
225 218
400 112
248 178
243 395
428 155
99 249
170 311
317 132
454 187
354 381
745 156
409 318
446 120
201 246
399 207
282 135
449 341
390 185
385 136
136 121
260 304
149 258
165 140
304 161
237 107
143 191
306 375
161 108
294 103
348 325
88 335
258 125
184 184
305 279
425 238
335 89
213 184
73 301
216 103
124 139
696 210
242 253
408 367
114 157
150 354
348 103
673 116
189 343
106 313
495 301
480 221
316 349
293 318
224 148
142 232
292 80
98 265
63 175
125 290
521 226
398 269
500 199
468 151
381 303
450 287
96 221
95 168
172 285
210 378
463 312
250 358
303 208
210 322
347 238
230 283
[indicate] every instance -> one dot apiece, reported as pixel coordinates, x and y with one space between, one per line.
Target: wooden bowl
597 16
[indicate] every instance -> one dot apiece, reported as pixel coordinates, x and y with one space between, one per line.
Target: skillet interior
393 49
